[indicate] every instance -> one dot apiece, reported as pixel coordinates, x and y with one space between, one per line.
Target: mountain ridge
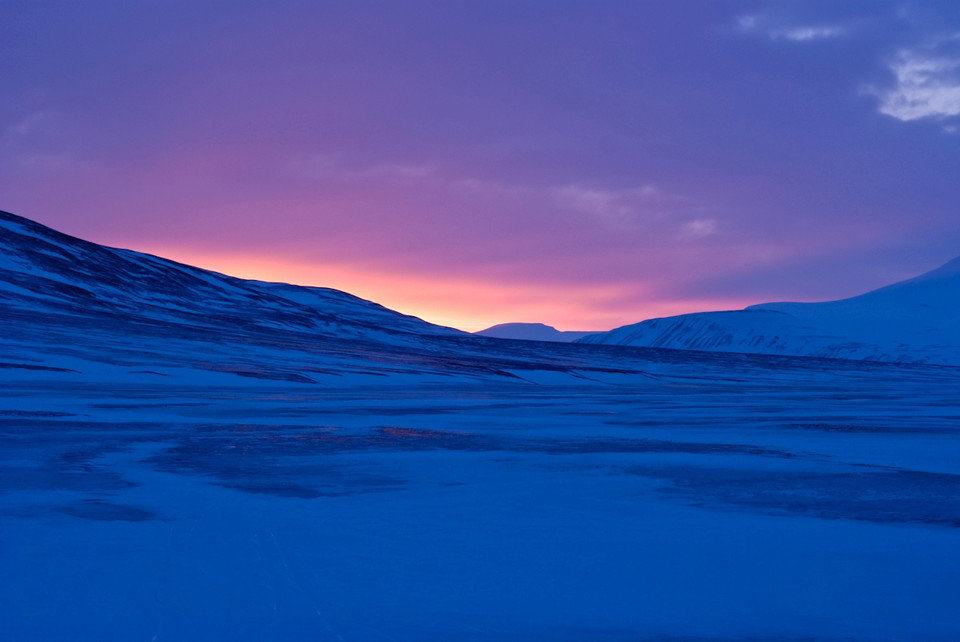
531 332
916 320
40 266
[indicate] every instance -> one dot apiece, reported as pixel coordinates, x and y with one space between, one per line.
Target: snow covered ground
695 499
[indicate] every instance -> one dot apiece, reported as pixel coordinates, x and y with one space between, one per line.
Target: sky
585 164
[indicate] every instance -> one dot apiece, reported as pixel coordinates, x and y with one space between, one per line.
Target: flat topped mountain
531 332
45 272
917 320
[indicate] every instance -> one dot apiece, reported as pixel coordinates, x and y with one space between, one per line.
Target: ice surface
708 503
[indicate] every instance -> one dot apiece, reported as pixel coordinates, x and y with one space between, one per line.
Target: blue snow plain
702 500
185 456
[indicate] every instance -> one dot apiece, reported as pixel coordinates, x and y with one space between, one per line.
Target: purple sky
583 164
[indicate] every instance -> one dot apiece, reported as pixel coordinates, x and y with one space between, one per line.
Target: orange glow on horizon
468 305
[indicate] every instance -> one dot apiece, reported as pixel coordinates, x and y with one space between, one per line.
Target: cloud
927 86
30 124
767 27
804 34
622 208
619 209
700 228
748 23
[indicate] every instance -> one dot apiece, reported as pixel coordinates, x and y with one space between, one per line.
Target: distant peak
518 325
530 332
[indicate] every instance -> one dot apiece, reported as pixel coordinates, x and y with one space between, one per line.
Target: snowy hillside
94 313
42 270
917 320
530 332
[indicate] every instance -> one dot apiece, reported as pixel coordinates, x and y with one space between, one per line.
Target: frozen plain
693 497
185 456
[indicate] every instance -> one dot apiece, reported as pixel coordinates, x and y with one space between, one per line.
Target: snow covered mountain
917 320
531 332
73 306
45 271
88 313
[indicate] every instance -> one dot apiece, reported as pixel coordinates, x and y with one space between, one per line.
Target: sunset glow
478 163
466 305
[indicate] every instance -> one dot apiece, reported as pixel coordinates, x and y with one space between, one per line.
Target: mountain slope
530 332
105 314
74 310
44 270
917 320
